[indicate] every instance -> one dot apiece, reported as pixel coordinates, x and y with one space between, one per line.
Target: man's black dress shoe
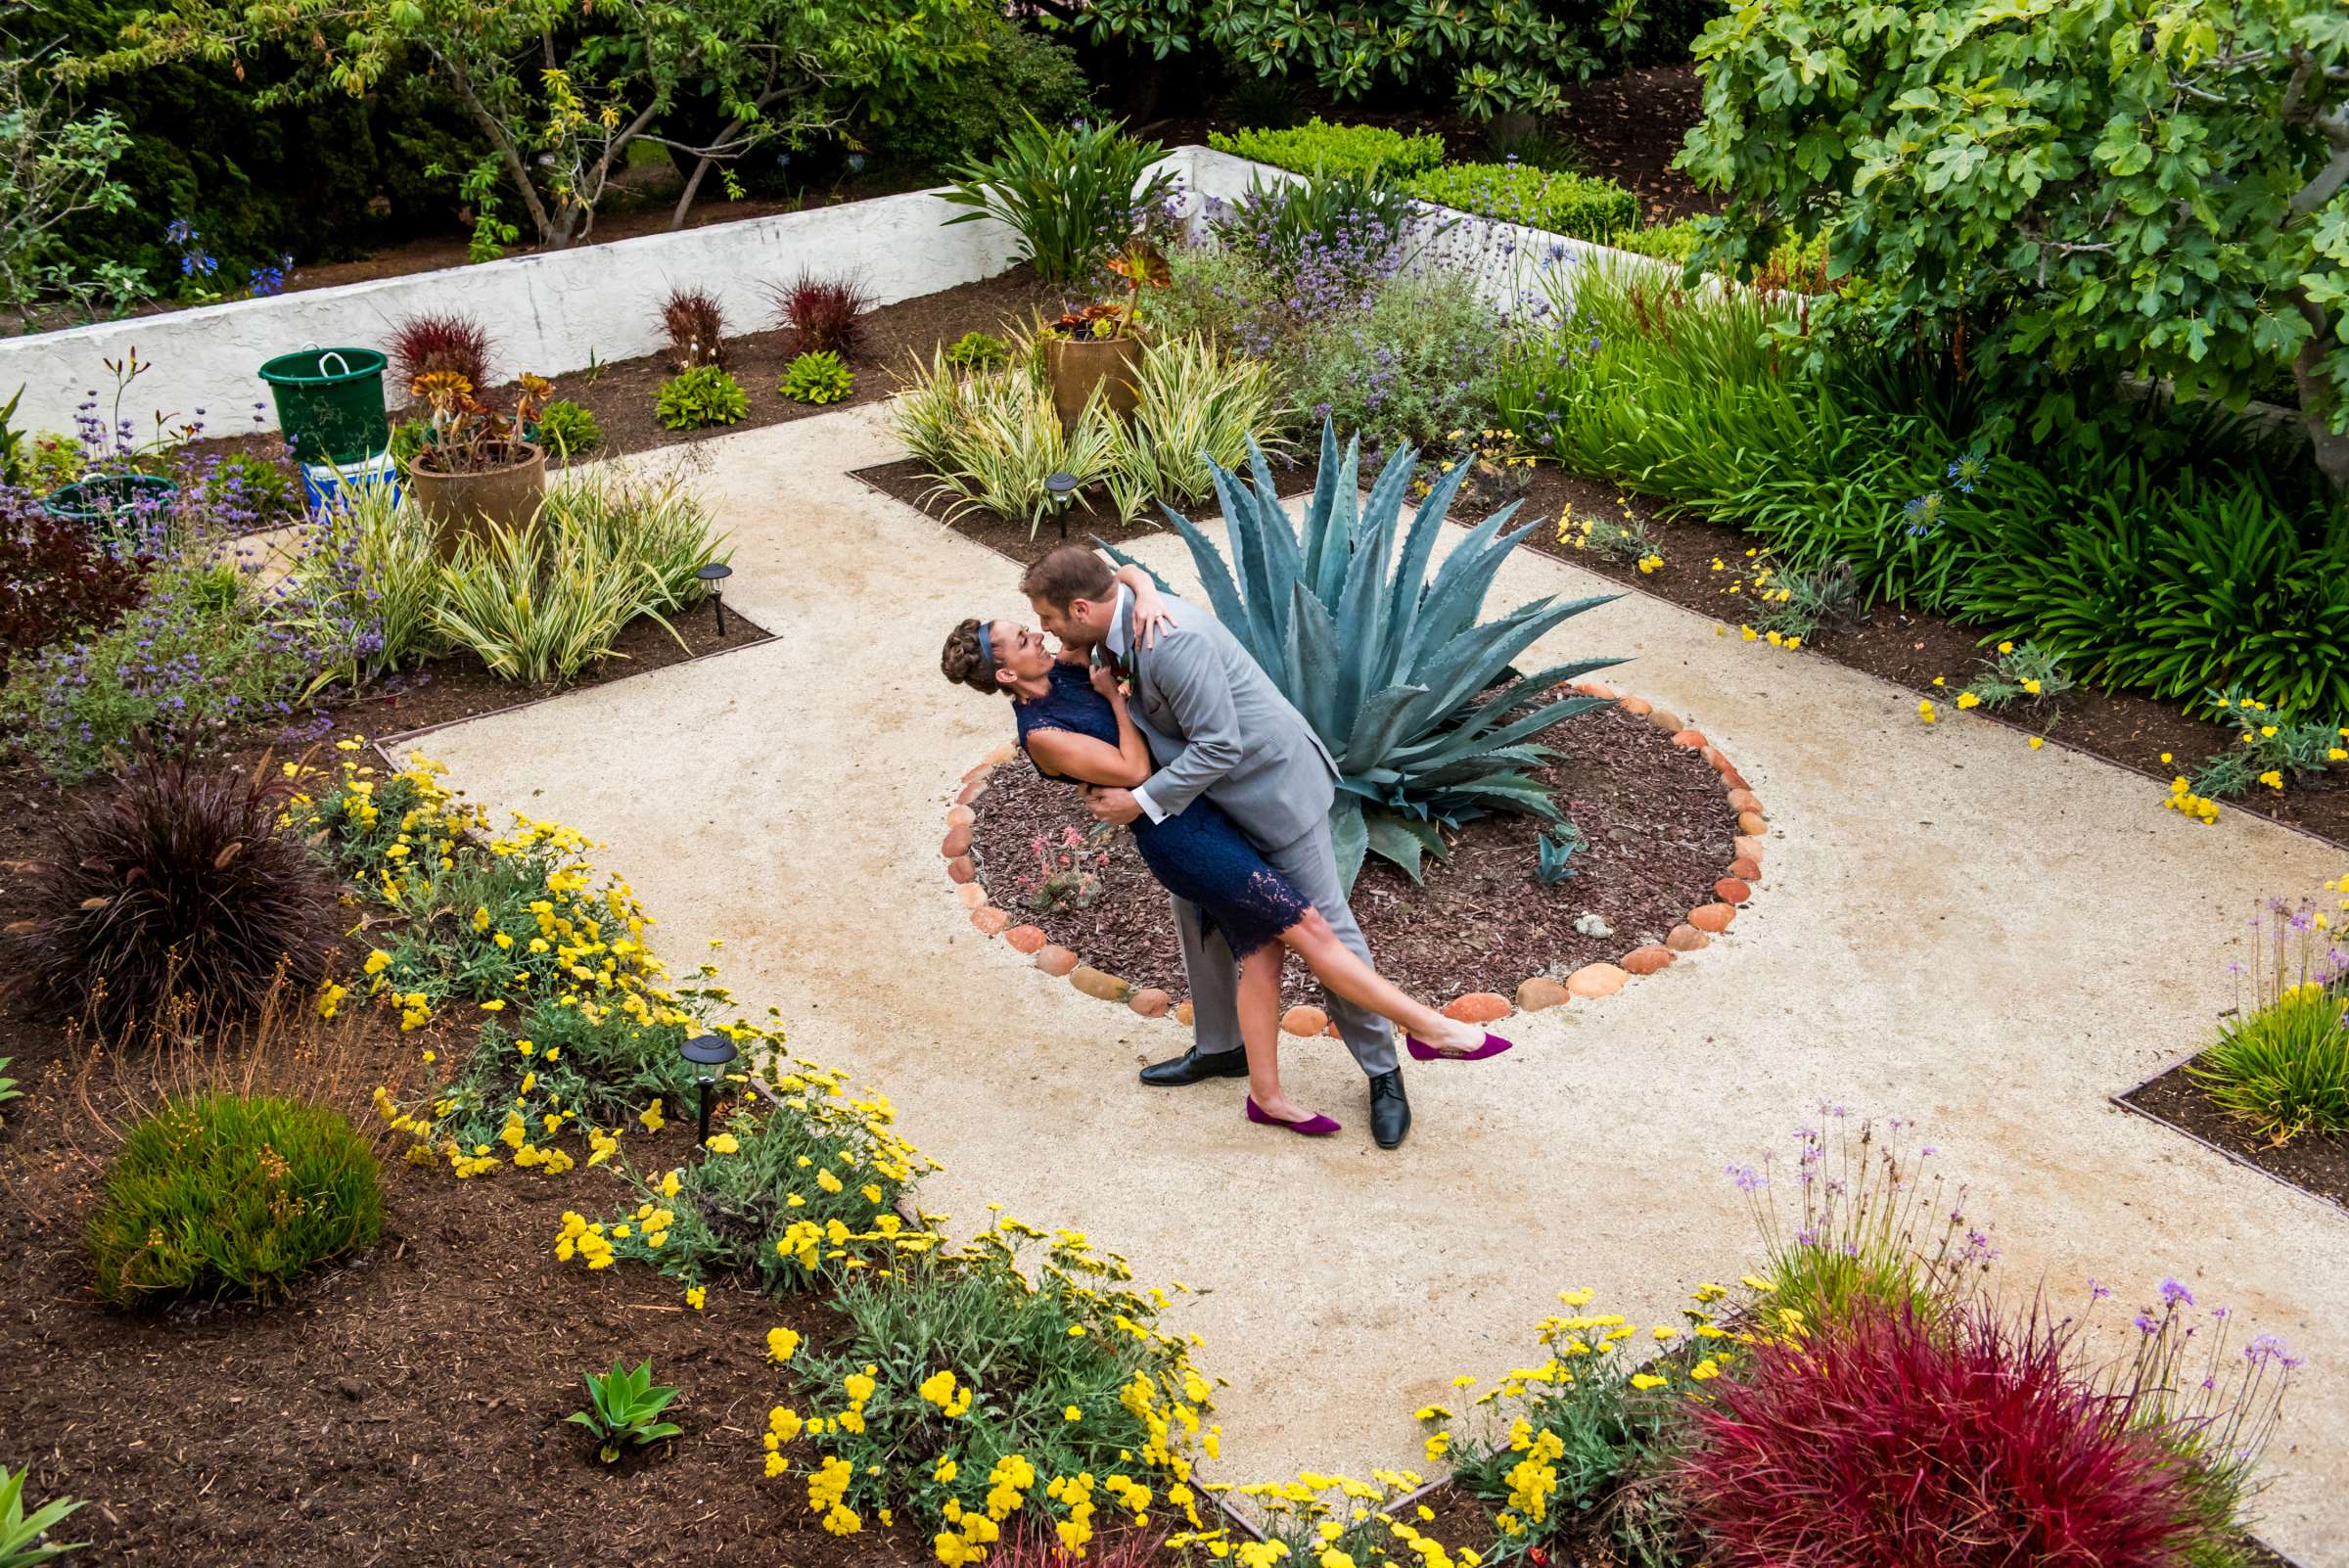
1389 1112
1196 1067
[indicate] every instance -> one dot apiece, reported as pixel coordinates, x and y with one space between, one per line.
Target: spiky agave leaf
1390 664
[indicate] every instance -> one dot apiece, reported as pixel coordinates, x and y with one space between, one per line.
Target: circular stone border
1730 893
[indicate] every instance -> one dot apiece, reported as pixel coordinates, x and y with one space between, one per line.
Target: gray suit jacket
1218 726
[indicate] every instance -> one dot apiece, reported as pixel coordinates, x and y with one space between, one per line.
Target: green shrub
1575 205
818 377
1666 242
181 668
1405 373
567 429
968 110
978 351
699 397
217 1194
1070 195
8 1086
1366 151
2175 568
2284 1068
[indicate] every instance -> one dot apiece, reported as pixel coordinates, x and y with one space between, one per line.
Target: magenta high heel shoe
1422 1052
1312 1127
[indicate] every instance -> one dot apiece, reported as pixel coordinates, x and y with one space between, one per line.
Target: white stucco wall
547 313
564 310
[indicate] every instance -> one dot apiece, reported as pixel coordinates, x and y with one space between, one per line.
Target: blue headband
986 646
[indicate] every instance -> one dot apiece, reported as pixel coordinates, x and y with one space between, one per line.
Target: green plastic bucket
110 505
330 403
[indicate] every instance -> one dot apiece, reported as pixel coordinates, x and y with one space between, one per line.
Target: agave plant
1430 724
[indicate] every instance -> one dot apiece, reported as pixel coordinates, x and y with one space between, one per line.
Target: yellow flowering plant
1572 1442
1329 1521
798 1188
2272 747
580 1024
986 1392
2021 671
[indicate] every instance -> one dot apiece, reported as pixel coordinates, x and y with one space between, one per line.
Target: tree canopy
2047 188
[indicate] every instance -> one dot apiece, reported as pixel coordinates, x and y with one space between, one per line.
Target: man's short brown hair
1063 576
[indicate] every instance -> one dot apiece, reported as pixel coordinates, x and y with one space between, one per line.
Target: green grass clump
697 398
1370 152
2284 1068
219 1194
1576 205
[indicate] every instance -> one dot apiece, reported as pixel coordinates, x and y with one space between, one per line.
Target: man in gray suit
1218 727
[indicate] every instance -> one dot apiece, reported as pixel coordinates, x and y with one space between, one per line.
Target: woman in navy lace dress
1074 725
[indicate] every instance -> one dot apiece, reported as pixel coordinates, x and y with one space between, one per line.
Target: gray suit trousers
1311 864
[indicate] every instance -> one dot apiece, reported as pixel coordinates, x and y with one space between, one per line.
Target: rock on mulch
1659 832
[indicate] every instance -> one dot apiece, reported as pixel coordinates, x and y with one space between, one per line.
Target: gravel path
1951 928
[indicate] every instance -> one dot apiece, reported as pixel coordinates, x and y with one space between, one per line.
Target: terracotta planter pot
462 505
1081 364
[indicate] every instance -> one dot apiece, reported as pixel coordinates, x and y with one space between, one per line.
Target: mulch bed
2316 1163
403 1406
622 394
1909 648
461 686
1660 836
1088 514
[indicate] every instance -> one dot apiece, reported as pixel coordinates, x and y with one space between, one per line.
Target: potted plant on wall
1101 345
476 466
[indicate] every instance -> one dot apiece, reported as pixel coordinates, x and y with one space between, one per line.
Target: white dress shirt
1119 643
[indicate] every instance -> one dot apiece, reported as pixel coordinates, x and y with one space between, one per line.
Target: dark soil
461 686
1910 648
1629 127
1660 836
438 1366
1087 515
2316 1163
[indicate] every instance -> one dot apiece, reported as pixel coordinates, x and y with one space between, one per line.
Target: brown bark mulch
1909 648
2316 1163
1660 836
1086 517
622 394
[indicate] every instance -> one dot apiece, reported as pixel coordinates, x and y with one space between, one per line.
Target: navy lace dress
1198 852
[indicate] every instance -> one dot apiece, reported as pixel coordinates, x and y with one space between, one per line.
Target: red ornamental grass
440 341
822 313
695 328
1878 1441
